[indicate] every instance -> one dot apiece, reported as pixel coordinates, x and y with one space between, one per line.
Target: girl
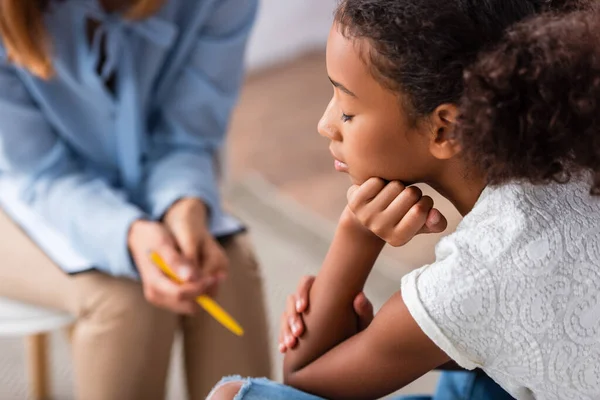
111 114
515 148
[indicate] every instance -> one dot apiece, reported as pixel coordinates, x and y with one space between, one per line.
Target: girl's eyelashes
346 118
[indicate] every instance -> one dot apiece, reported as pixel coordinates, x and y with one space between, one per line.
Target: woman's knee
227 391
118 301
242 257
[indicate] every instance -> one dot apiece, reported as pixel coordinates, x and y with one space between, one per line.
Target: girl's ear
444 144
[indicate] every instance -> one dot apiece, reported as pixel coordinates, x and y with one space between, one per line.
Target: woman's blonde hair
26 39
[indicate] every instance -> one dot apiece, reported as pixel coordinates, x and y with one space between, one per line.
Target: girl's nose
327 127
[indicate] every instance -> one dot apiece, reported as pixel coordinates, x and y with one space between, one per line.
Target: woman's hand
292 324
394 212
187 222
146 237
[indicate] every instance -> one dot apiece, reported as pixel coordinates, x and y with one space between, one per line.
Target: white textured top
516 291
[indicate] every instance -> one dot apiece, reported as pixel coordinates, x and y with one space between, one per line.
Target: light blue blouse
79 163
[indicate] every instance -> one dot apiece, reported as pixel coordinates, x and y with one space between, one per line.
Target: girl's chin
356 181
360 180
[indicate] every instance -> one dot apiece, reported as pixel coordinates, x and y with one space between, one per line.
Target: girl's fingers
364 309
290 341
413 222
296 326
385 197
394 212
289 323
358 197
403 203
383 223
435 223
301 304
285 335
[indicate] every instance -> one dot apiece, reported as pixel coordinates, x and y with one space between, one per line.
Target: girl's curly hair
530 109
421 47
530 106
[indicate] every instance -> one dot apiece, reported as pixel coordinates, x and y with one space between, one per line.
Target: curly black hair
530 109
421 49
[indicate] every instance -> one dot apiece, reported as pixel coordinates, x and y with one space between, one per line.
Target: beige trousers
121 343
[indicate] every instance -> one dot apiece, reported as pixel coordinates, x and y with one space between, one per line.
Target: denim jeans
465 385
474 385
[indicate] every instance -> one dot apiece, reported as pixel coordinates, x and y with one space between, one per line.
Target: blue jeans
474 385
465 385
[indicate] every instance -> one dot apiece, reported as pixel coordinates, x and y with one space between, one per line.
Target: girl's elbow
288 374
291 369
289 378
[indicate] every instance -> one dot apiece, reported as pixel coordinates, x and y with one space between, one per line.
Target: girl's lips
340 166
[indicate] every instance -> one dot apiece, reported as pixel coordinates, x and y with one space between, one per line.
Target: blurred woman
111 116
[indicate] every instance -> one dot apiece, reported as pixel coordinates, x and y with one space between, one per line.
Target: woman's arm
392 352
81 206
194 110
331 318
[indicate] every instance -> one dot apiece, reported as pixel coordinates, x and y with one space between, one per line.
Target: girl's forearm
450 366
331 318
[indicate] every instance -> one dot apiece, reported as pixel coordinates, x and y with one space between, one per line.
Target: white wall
286 29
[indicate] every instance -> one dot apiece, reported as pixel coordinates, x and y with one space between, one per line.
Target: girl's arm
332 360
392 352
330 318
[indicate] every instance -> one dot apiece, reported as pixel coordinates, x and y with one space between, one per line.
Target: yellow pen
208 304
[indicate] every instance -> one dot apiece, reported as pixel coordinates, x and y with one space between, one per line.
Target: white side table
19 319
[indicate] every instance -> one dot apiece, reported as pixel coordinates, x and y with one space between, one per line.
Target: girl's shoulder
512 275
517 219
532 207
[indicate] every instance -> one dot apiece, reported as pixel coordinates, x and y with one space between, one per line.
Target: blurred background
280 181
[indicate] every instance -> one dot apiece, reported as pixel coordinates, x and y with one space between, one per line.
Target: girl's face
370 131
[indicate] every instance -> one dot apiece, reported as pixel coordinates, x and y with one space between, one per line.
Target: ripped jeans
467 385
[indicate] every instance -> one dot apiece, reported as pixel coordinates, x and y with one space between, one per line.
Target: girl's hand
146 237
394 212
292 325
187 222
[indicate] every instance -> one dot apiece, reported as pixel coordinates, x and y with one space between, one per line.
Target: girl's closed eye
346 117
